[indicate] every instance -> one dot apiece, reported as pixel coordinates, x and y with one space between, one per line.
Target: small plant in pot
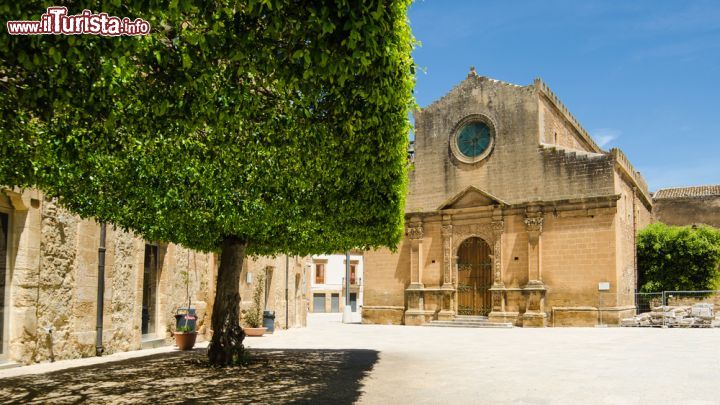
185 337
185 333
253 317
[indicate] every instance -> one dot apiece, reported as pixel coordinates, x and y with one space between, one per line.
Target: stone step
470 318
465 322
469 324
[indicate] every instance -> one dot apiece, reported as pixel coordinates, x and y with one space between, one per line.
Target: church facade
514 213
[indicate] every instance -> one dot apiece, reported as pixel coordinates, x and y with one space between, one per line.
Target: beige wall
556 130
53 285
515 245
52 294
298 287
578 251
519 169
386 274
512 108
688 211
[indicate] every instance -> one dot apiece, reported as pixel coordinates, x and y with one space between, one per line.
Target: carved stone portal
453 236
490 232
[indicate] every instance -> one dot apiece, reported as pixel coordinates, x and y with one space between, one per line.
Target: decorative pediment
471 196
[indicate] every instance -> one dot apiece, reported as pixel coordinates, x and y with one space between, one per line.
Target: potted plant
185 333
185 337
253 317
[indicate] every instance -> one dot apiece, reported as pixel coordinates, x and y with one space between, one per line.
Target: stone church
513 213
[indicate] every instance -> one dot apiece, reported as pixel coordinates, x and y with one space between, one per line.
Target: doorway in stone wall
474 268
149 291
4 237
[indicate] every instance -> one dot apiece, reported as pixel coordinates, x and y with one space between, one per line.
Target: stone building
49 284
513 212
283 275
688 205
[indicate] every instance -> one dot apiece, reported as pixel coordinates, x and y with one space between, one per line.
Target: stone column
415 234
534 291
499 294
447 311
534 230
448 255
497 230
415 313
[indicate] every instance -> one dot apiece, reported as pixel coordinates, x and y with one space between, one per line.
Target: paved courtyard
332 362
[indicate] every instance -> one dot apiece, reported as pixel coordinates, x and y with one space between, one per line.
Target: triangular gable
471 196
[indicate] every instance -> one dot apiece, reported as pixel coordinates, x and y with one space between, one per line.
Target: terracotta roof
687 192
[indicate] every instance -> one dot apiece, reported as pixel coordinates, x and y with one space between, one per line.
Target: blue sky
643 76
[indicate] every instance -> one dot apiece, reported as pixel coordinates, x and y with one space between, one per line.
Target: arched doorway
474 277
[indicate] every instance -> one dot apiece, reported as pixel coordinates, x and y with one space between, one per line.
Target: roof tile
687 192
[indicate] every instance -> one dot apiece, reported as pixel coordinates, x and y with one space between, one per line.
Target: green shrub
672 258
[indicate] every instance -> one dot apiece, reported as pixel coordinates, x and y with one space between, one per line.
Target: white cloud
604 136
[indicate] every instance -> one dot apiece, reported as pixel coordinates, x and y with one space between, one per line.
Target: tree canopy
674 258
281 123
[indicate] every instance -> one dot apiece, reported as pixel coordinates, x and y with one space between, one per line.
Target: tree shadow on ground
277 376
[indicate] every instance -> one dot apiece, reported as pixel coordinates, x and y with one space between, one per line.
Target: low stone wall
589 316
383 315
574 316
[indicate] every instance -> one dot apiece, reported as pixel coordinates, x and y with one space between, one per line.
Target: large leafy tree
242 127
676 258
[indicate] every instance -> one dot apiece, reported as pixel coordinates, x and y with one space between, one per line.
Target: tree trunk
226 346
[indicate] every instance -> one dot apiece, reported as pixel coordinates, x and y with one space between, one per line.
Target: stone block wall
578 253
52 298
521 166
512 108
688 211
51 294
386 276
298 286
515 256
555 130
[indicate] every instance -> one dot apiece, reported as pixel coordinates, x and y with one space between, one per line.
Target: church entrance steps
465 318
469 322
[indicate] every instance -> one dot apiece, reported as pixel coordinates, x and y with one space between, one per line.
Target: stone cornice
565 204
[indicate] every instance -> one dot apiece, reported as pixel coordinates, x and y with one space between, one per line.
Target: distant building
688 205
328 283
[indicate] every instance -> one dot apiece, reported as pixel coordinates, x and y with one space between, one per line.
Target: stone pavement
376 364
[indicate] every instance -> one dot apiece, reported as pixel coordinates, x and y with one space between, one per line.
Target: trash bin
185 317
269 321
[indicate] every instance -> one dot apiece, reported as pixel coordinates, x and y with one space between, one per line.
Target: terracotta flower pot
254 331
186 340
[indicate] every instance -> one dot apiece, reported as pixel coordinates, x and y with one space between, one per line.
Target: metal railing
645 302
665 309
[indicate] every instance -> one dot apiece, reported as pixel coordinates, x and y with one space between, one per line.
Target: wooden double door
474 277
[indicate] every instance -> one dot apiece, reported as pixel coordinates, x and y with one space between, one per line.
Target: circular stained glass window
474 139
